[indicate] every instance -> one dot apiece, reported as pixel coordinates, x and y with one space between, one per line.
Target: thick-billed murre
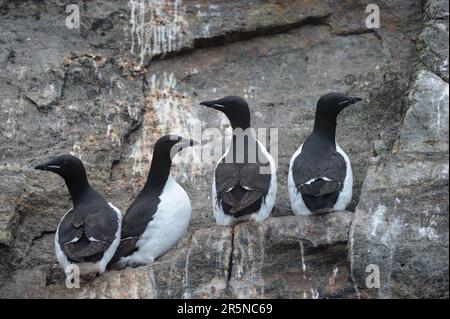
244 184
89 233
320 175
160 214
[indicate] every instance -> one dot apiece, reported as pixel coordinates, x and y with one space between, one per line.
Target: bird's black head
235 108
165 150
170 145
67 166
331 104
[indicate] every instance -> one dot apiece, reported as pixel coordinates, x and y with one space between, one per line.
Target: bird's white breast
167 226
345 196
269 200
297 203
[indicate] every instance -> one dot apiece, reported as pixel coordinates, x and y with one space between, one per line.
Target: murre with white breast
160 214
245 183
320 175
89 233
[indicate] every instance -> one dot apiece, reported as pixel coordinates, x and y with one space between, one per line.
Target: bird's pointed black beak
354 100
206 103
48 167
41 167
181 145
213 105
351 100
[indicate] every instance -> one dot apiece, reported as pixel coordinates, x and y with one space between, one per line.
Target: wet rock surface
107 91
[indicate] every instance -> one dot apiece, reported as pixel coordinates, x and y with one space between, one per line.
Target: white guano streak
157 27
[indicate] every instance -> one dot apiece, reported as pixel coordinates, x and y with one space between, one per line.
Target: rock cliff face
137 69
401 221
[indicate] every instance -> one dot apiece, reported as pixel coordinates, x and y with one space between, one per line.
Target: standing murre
245 183
89 233
320 175
159 216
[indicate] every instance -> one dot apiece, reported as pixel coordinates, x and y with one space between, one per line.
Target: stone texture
401 225
425 128
284 257
199 271
292 257
436 9
433 47
401 222
433 41
105 93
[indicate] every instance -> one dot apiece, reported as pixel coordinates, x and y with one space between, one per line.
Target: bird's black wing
86 232
226 176
319 177
126 247
241 187
134 223
320 187
85 250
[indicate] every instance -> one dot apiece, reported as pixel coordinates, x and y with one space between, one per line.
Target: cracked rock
115 92
292 257
401 222
198 271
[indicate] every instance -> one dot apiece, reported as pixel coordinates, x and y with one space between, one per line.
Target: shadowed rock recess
137 69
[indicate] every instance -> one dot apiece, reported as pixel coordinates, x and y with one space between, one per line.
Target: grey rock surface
425 127
401 227
107 91
433 40
292 257
284 257
198 271
402 220
433 47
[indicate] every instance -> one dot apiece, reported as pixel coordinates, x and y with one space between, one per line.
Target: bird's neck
325 127
243 147
79 188
159 173
242 122
242 137
239 132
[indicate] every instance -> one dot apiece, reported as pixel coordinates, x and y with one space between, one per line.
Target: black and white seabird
89 233
245 183
160 214
320 175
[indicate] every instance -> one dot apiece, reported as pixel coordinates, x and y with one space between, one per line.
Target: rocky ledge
285 257
136 69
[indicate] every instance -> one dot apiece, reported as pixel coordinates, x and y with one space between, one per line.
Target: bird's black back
230 173
319 158
91 218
